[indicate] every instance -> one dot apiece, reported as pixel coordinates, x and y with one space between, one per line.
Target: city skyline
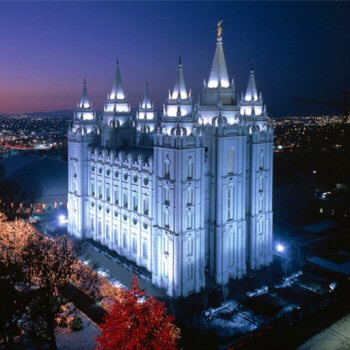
49 48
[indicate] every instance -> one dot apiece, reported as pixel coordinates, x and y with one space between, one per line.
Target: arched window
261 204
115 236
108 194
230 203
145 206
190 196
125 242
166 168
125 200
230 249
135 202
261 184
261 160
99 191
144 250
166 218
166 195
116 196
190 169
231 161
189 219
92 189
92 226
107 232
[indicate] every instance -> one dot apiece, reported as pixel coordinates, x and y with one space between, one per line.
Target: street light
280 248
62 219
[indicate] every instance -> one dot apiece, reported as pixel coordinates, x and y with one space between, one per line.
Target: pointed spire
146 103
251 93
218 76
85 101
180 87
117 89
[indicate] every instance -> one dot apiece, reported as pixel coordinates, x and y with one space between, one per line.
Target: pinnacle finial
252 66
117 61
84 80
219 30
180 60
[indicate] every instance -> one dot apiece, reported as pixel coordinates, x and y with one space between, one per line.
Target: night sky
298 48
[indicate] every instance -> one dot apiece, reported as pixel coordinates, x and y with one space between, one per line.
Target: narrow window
230 203
231 161
261 184
92 225
261 204
144 250
108 194
166 218
190 196
166 195
107 232
134 245
116 196
261 160
189 220
125 243
135 202
99 191
99 228
92 189
230 248
190 246
125 200
166 168
115 238
145 206
190 270
190 169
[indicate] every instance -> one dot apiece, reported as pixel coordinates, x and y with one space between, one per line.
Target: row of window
190 168
189 195
125 204
113 237
135 177
189 219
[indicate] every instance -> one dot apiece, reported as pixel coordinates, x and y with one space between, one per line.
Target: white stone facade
184 195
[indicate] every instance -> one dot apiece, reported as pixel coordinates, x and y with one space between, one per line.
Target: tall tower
178 235
146 120
259 176
81 134
117 118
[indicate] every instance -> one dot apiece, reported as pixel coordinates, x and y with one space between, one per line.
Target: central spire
180 88
218 75
117 92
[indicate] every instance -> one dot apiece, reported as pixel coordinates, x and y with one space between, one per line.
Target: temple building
186 194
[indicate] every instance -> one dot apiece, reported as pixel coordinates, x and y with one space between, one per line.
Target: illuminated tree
50 267
14 237
138 322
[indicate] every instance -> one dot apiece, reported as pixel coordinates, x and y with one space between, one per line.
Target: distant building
45 178
180 194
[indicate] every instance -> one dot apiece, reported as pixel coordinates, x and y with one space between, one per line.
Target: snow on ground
79 340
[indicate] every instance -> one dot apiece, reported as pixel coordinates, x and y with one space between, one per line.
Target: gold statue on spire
220 29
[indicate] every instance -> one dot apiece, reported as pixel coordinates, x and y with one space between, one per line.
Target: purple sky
299 49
